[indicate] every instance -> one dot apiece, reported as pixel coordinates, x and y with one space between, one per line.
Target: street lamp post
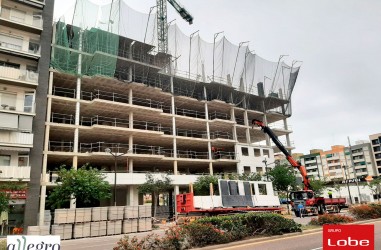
346 180
115 155
265 162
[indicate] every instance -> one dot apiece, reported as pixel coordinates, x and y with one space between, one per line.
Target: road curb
264 238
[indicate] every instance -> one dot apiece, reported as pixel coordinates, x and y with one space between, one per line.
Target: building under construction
185 109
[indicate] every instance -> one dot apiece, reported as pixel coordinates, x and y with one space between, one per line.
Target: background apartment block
111 90
25 35
376 150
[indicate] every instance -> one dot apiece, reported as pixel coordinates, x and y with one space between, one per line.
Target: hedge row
213 230
366 211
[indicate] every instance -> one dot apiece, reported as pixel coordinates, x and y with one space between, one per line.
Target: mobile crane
312 204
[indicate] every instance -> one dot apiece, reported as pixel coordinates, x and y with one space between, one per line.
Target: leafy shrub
253 223
203 234
331 219
151 241
366 211
212 230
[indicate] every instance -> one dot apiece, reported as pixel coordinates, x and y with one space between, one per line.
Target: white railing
15 172
140 178
18 74
25 139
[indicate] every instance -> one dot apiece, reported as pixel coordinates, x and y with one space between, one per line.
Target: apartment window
37 17
28 102
7 100
245 151
257 152
23 160
375 142
262 189
34 46
10 65
259 169
5 160
11 42
266 152
246 170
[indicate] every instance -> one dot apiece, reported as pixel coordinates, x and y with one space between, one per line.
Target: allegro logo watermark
33 242
348 237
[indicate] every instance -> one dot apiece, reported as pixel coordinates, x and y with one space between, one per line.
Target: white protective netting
195 58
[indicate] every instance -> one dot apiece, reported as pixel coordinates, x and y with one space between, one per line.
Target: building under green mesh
99 50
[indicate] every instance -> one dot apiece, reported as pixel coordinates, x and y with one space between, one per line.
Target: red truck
312 204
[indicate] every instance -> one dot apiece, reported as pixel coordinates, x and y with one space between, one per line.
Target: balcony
217 115
140 178
15 173
21 20
19 77
24 48
192 133
16 139
221 135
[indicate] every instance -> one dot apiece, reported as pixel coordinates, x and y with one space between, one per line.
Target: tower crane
162 27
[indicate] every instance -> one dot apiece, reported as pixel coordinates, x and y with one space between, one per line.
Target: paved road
307 241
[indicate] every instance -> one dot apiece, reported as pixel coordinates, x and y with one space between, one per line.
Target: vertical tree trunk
288 206
154 201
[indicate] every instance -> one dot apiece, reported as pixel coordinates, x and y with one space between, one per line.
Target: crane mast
162 26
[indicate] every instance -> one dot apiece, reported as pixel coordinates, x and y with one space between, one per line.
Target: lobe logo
348 237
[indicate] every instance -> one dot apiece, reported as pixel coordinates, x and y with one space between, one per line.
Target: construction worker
301 210
330 194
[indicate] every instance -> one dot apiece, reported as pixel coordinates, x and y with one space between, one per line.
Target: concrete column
210 168
131 120
131 144
131 196
175 170
130 97
42 205
248 139
268 143
130 165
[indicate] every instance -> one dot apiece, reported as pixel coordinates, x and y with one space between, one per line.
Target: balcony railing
62 118
24 19
18 74
33 48
240 121
190 113
17 138
223 155
105 121
221 135
217 115
15 172
100 147
61 146
192 133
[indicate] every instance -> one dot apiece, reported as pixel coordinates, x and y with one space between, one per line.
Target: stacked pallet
65 231
83 214
64 216
115 213
130 222
81 230
145 219
39 230
99 213
114 227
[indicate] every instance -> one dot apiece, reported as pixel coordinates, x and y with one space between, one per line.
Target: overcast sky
338 90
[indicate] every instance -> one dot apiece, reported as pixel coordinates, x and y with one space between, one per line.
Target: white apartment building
23 38
376 151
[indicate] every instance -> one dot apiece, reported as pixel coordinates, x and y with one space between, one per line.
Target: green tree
5 198
86 185
155 186
374 186
283 179
318 186
250 177
202 185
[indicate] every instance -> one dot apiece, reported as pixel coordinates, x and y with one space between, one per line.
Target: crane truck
313 205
